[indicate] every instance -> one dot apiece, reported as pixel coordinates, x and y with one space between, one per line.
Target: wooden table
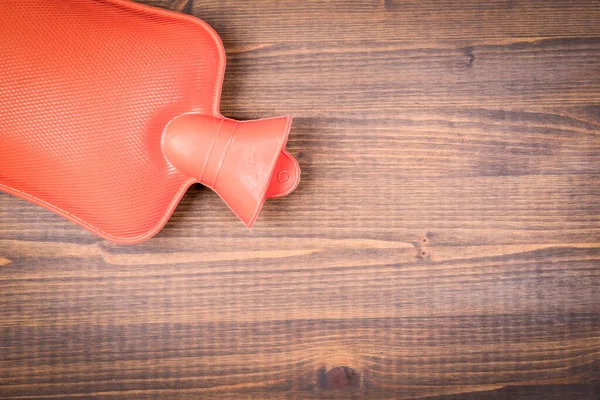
444 240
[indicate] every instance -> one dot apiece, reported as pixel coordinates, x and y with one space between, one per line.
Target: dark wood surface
444 241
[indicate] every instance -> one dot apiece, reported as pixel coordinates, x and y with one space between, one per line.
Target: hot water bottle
109 111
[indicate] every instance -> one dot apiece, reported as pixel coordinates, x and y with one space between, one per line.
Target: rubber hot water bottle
109 111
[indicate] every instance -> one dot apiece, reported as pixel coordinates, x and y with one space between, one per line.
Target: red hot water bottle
109 111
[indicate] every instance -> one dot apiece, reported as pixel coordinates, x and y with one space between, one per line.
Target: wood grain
444 241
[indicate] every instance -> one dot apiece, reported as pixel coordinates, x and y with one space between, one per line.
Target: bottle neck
244 162
197 145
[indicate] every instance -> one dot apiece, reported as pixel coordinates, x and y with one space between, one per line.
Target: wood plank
284 21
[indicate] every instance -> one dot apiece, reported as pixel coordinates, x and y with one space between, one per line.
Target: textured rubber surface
86 90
